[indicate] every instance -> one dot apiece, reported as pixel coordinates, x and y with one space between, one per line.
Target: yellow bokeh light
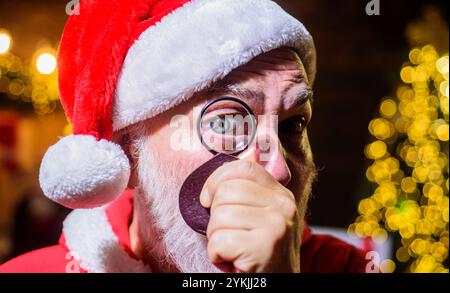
423 227
445 105
387 266
381 128
388 108
416 56
377 149
382 131
429 54
402 124
435 192
46 63
445 214
407 74
442 65
441 270
5 42
443 88
409 185
442 132
411 157
425 264
402 254
411 196
419 246
393 165
16 87
420 174
379 235
432 214
439 251
407 231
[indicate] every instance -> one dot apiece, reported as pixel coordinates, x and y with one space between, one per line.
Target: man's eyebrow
235 90
307 94
247 94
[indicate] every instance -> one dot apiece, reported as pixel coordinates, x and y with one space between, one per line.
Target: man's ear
124 140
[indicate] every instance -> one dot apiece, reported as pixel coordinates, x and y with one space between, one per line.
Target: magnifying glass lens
227 126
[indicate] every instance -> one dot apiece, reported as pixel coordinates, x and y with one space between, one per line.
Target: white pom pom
81 172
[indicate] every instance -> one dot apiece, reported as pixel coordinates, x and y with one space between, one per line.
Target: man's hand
254 224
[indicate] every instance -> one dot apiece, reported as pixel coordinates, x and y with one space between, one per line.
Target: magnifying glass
226 128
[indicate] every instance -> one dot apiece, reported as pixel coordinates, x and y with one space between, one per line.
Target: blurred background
379 132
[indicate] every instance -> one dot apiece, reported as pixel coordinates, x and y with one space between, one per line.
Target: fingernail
205 199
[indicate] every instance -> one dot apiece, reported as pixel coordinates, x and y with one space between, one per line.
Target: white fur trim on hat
81 172
198 44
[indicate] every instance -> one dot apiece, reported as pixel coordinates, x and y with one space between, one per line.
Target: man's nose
269 153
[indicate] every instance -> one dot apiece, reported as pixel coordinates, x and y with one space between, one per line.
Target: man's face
274 85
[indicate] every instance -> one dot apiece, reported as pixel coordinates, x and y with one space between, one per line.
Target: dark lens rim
247 109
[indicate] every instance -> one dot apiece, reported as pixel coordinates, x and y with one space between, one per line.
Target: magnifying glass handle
194 214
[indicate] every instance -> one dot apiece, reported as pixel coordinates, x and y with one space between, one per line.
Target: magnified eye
223 124
226 125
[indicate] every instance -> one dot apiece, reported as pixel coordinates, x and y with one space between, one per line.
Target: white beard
166 237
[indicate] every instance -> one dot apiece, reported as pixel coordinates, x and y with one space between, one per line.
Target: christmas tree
409 165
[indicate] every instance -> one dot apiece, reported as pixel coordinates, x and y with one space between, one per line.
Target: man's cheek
302 178
189 162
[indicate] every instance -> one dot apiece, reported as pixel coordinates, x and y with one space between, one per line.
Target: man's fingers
248 193
240 169
226 247
246 218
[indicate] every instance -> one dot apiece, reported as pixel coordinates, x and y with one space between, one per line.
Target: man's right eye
223 124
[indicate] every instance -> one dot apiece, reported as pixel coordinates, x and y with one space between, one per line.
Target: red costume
98 240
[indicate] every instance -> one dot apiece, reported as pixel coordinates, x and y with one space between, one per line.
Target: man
126 70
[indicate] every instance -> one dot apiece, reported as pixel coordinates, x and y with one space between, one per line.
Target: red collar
120 215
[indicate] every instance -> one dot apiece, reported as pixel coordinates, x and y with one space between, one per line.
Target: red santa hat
122 61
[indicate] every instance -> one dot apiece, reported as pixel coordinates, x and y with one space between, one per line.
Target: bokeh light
32 82
409 168
387 266
5 41
46 63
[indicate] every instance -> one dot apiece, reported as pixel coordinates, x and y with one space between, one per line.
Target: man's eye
223 124
294 126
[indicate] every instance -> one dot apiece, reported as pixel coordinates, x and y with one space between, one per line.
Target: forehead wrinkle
277 60
264 68
303 96
228 87
299 100
258 68
258 98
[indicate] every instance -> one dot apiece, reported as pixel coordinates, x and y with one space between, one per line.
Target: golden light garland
35 82
410 166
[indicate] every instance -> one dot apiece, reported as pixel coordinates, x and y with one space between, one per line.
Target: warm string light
410 165
35 82
45 93
5 42
46 63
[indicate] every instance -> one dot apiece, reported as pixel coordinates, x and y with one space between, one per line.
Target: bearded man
126 69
